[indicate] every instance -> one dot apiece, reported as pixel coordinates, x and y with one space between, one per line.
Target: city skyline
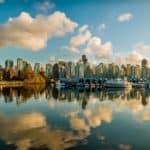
42 31
57 61
74 74
82 69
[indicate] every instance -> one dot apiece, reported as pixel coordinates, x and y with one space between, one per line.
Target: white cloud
142 47
52 59
33 33
102 27
73 49
80 39
44 6
85 42
101 50
2 1
83 28
133 58
125 17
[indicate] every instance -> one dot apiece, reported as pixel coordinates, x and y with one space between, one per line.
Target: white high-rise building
70 70
20 64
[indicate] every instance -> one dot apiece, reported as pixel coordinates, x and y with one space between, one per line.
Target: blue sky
128 37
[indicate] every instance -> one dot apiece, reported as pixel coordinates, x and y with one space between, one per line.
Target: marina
99 83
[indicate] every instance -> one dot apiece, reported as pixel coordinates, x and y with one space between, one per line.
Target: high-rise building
49 70
70 70
79 69
56 71
37 67
144 63
111 70
128 70
9 64
137 71
88 72
84 59
20 64
101 70
82 68
144 69
62 69
133 74
1 73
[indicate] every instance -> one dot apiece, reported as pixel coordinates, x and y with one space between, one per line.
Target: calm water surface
39 118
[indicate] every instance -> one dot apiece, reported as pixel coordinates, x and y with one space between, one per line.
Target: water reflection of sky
52 119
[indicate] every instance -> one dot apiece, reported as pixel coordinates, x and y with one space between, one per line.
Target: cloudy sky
105 30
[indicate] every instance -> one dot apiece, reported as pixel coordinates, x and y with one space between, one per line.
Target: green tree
11 74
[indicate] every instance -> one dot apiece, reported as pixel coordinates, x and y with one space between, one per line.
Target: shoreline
17 83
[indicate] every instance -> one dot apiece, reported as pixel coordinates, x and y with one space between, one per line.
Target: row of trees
26 74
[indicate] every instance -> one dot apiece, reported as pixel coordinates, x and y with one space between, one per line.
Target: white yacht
117 83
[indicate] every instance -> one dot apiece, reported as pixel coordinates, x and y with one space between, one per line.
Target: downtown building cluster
81 69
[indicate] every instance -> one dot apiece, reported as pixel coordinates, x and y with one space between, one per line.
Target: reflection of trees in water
33 90
23 94
8 94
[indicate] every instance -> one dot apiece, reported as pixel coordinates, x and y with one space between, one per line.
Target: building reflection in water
33 130
20 95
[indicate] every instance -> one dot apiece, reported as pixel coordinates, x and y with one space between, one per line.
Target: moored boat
61 83
117 83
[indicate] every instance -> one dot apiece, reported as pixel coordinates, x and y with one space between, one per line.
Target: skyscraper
1 73
84 59
9 64
145 69
20 64
56 71
49 70
70 70
144 63
79 69
62 69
